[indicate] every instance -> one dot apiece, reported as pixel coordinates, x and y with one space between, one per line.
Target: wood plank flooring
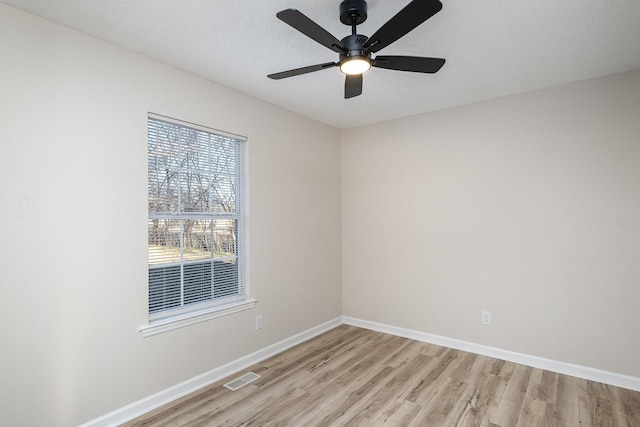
356 377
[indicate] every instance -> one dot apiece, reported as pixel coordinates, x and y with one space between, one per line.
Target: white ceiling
493 48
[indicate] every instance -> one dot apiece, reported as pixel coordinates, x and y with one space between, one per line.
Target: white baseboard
150 403
611 378
141 407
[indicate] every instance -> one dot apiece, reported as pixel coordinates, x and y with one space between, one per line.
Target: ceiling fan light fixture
355 65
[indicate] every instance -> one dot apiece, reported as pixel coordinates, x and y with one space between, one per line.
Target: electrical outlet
486 317
259 321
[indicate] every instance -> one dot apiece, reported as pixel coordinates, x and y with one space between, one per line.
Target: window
196 227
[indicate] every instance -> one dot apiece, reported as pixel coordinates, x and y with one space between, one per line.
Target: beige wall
73 240
526 206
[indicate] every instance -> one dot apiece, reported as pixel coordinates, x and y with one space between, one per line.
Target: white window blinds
197 251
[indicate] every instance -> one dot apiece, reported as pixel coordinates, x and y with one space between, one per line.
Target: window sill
169 324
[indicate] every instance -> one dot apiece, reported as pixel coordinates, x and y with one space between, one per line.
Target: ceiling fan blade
303 70
414 14
352 85
306 26
416 64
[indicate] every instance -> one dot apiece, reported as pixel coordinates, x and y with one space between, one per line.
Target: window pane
225 237
163 190
223 193
194 195
224 150
163 172
226 276
198 239
164 288
192 150
164 241
197 282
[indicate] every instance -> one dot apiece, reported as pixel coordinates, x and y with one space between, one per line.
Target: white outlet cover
486 317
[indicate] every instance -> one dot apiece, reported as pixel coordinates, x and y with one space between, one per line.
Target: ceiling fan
355 49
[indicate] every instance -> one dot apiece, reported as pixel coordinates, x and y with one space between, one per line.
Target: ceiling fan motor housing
354 44
353 9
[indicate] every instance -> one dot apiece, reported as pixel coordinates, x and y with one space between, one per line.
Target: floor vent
242 381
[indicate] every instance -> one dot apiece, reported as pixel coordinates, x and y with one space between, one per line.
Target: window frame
168 319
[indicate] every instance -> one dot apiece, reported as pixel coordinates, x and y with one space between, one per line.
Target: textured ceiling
493 48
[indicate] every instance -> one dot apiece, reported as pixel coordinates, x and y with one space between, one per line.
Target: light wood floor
356 377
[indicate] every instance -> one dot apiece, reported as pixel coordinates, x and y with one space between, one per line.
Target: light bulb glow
355 66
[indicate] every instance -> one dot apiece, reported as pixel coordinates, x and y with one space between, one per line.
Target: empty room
340 213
